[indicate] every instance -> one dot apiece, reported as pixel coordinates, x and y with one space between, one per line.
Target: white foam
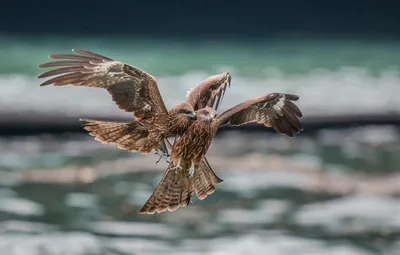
352 214
347 90
21 206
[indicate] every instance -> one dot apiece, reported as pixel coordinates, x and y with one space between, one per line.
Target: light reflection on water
309 195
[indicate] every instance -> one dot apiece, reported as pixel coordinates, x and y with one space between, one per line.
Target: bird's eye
205 112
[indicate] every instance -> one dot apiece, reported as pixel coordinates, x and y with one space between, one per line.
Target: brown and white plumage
180 181
175 189
275 110
210 92
133 90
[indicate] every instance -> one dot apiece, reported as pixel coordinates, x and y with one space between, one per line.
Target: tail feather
204 164
210 172
205 179
175 190
123 134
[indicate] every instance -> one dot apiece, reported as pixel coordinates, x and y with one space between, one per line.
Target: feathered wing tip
72 68
287 114
124 134
174 191
204 179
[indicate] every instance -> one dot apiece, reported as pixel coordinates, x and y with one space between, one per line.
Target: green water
173 57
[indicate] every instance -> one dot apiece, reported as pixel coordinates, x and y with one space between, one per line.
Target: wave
346 91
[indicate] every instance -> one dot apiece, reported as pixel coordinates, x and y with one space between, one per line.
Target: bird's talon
165 156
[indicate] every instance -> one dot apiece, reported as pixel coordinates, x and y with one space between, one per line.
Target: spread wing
132 89
275 110
210 92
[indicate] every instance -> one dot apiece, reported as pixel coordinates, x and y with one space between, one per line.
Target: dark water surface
333 193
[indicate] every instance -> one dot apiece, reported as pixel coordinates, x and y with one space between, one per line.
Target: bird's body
191 147
273 110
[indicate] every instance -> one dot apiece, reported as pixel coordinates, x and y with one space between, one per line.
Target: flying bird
185 176
133 90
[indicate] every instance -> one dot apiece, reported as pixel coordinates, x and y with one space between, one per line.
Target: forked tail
205 179
124 134
174 190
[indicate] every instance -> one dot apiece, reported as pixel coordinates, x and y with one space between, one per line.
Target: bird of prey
136 91
184 175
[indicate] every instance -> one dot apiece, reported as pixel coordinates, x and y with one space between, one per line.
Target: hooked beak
192 115
211 117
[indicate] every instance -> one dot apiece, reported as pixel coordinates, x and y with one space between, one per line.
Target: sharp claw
158 160
165 156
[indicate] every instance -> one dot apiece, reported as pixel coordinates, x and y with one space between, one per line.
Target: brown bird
185 175
136 91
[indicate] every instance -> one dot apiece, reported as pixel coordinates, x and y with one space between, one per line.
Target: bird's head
186 111
207 114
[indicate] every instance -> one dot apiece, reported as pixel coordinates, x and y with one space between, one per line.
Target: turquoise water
172 57
330 76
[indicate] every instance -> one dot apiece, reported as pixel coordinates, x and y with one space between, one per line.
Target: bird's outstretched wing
275 110
210 92
132 89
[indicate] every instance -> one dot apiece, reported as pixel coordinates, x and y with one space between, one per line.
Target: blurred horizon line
29 124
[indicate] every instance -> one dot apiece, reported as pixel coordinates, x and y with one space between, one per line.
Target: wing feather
275 110
210 92
132 89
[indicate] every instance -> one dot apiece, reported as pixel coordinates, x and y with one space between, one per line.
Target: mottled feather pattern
119 133
136 91
174 191
205 169
132 89
275 110
188 152
194 143
210 92
176 188
204 180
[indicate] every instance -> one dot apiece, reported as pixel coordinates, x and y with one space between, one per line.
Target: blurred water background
331 190
333 76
